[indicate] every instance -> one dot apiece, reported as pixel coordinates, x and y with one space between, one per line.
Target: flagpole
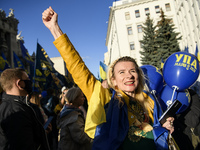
35 67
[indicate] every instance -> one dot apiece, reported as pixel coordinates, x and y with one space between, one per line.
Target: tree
149 44
166 39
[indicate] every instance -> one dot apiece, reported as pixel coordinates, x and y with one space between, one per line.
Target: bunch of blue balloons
180 71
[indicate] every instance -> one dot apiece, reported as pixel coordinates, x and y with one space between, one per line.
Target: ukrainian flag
197 54
103 70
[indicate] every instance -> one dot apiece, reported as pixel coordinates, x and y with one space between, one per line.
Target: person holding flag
126 120
103 70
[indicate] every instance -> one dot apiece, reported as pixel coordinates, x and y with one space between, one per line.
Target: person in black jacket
187 125
1 92
19 127
71 122
48 104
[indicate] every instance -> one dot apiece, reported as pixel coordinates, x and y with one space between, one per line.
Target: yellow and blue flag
4 64
25 54
64 80
17 62
197 54
103 71
40 67
28 59
43 62
43 69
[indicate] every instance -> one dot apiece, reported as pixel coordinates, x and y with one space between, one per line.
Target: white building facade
59 65
188 16
127 17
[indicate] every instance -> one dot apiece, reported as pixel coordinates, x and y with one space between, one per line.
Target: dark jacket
186 123
49 103
72 136
38 112
19 126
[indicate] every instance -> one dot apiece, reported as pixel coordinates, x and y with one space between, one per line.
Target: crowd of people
117 114
32 120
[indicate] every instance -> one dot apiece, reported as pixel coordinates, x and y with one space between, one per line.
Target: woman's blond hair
139 96
35 99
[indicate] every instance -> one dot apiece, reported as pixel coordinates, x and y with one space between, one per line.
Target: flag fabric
103 71
61 80
39 76
4 64
32 71
43 61
28 59
43 69
25 54
45 73
42 64
50 82
162 63
197 54
186 49
17 62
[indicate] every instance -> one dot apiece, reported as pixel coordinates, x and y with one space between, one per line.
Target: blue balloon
154 79
168 95
181 70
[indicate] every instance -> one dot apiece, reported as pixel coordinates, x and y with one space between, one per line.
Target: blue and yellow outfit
111 128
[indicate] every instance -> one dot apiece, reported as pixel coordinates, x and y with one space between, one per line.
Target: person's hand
169 124
105 84
49 18
49 128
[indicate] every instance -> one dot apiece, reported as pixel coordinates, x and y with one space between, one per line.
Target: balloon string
154 95
175 87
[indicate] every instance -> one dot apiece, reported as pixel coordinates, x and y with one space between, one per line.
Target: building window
137 13
129 29
147 12
132 45
127 16
167 6
198 4
139 27
157 8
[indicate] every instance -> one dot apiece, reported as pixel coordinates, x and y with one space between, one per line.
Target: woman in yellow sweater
125 119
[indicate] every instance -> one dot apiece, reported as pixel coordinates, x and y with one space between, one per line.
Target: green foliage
148 42
159 44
